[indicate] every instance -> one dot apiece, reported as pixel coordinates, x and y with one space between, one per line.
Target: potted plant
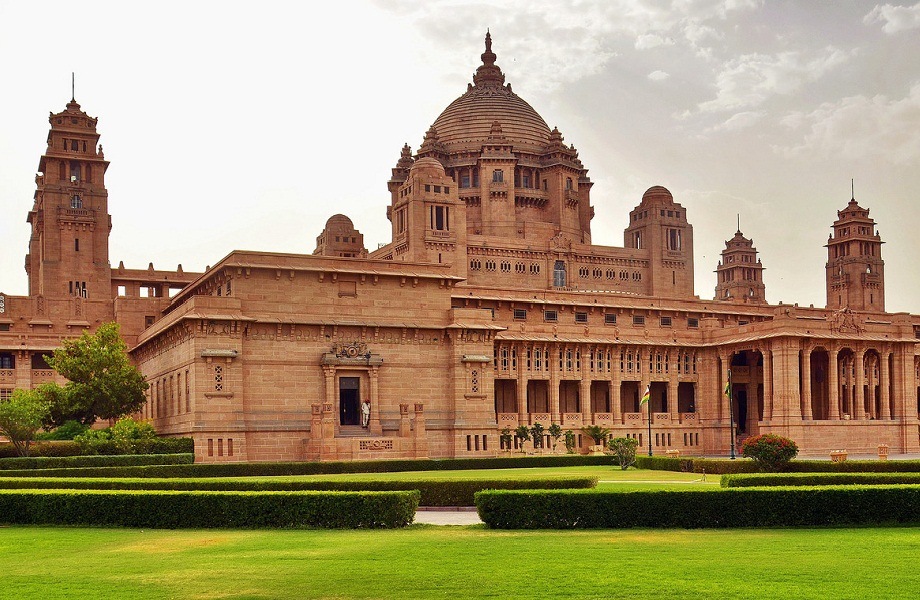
596 433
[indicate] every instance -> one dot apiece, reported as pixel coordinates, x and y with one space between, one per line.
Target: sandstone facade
490 308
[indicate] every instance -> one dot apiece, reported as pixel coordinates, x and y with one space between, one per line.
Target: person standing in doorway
365 413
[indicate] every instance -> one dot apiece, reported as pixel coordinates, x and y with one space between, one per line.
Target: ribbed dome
467 122
657 195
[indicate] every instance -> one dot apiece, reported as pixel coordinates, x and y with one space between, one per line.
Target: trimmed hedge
722 466
105 447
791 479
734 507
452 492
168 509
42 466
269 469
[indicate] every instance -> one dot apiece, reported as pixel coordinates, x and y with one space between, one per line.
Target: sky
235 125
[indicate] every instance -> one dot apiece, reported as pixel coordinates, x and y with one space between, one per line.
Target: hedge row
105 447
722 466
42 466
790 479
449 492
168 509
268 469
734 507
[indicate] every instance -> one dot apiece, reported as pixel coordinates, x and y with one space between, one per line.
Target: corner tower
659 227
739 274
69 248
855 269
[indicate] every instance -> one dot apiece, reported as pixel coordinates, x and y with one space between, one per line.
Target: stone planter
883 451
838 456
596 450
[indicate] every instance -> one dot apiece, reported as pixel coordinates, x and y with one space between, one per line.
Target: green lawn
459 562
608 477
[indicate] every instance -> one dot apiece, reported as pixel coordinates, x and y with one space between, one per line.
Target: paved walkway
451 515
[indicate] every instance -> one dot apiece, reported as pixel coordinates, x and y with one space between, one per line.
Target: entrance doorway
349 401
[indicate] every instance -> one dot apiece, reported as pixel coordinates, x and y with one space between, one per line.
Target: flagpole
650 428
731 416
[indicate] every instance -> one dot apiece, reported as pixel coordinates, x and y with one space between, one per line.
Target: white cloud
652 40
739 121
658 75
858 128
895 18
750 79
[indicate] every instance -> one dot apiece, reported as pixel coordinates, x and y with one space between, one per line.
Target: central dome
467 122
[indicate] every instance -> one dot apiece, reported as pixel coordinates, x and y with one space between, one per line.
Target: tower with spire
739 275
855 270
69 247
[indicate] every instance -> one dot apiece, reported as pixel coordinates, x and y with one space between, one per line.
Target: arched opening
820 384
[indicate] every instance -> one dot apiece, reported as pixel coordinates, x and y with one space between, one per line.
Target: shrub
555 432
570 441
67 431
522 433
771 452
596 433
665 463
536 433
164 509
734 507
624 451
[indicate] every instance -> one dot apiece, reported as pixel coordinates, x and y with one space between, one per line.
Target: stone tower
69 248
739 275
855 269
659 227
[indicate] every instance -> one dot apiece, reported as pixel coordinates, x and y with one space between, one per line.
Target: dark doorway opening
742 407
349 400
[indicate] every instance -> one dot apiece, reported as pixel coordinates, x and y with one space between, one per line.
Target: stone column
615 403
767 384
585 392
884 376
833 386
787 400
859 397
724 409
554 376
330 398
672 399
374 425
806 384
521 398
420 437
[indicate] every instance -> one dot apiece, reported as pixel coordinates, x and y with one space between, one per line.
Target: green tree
555 432
522 433
21 416
570 441
102 384
506 437
624 451
536 432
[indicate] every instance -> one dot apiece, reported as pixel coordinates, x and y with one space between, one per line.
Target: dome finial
488 74
488 40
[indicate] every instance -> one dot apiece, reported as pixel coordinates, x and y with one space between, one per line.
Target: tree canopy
102 384
21 416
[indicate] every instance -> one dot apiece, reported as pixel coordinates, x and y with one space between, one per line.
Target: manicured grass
459 562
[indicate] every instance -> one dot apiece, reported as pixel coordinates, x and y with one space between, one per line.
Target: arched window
74 171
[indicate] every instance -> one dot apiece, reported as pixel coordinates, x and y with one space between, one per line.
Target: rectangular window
693 322
638 320
581 317
4 326
520 314
610 319
440 218
498 176
427 188
665 321
5 394
465 181
550 316
76 244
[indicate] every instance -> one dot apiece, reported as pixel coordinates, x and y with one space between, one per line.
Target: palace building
490 308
